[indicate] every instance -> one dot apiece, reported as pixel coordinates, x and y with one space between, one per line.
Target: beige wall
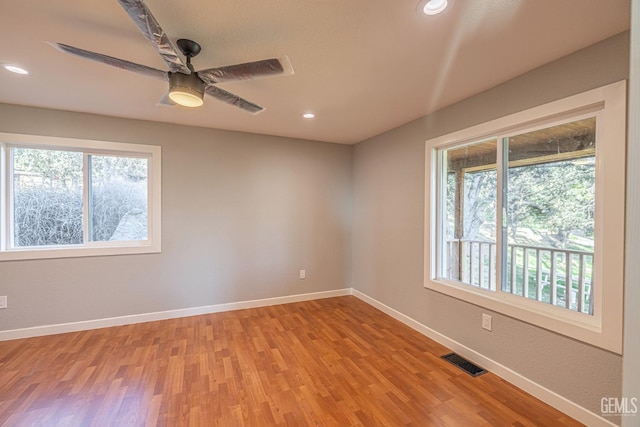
241 215
631 366
389 228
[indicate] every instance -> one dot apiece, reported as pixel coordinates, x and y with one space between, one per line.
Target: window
66 197
526 215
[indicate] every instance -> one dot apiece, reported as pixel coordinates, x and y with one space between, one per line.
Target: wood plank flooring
330 362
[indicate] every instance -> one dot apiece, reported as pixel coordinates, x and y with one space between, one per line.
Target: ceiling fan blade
114 62
147 24
247 71
165 101
232 99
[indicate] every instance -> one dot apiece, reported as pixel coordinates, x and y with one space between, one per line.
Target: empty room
319 213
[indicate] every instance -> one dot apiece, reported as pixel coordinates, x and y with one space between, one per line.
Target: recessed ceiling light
16 69
432 7
308 115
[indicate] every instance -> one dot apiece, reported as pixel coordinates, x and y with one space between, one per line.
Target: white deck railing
543 274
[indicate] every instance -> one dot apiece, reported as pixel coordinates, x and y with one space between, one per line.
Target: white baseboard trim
61 328
549 397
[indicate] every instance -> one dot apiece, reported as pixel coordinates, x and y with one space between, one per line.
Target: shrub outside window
526 215
68 197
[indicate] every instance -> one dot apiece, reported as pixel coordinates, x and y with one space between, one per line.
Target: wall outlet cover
486 322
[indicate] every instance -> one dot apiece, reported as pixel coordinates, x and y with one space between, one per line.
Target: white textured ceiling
363 66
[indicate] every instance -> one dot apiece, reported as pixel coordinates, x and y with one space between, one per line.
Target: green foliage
53 168
552 199
110 168
557 197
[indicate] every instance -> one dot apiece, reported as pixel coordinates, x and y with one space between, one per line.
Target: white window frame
88 147
605 327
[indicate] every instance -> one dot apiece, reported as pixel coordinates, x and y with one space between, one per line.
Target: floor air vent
464 364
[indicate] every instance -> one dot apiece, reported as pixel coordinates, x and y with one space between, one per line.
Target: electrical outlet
3 302
486 322
303 274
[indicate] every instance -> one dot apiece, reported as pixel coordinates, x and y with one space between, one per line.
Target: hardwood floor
331 362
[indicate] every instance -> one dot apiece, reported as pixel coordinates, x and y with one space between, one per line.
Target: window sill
130 248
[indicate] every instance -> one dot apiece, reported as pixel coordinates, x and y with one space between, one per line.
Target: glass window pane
550 205
118 209
468 243
47 197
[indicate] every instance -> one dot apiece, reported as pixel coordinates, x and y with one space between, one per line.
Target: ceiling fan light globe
186 89
183 96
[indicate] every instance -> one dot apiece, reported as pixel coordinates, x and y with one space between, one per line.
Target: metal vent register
464 364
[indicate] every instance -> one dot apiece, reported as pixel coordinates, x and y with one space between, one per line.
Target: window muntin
65 197
598 320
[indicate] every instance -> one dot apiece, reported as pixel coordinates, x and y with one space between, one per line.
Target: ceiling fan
186 86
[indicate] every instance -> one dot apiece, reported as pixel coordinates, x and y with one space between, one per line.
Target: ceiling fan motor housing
186 89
